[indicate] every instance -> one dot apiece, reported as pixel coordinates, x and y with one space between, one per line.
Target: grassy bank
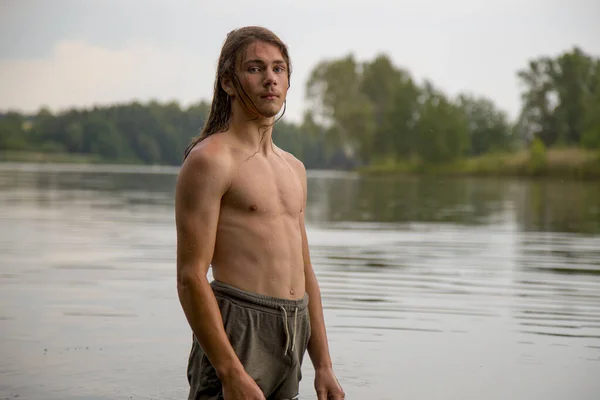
74 158
571 163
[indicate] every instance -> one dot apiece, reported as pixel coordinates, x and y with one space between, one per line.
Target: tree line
359 113
377 110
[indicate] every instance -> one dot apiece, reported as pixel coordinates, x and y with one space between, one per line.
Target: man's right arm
203 179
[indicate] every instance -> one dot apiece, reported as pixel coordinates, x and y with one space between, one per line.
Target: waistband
260 301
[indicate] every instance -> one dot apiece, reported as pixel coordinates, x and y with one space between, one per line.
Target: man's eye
253 69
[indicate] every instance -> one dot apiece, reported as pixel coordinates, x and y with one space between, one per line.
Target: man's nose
270 78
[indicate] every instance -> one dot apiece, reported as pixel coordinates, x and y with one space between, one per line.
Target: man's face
264 77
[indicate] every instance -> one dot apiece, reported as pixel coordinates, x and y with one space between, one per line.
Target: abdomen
258 254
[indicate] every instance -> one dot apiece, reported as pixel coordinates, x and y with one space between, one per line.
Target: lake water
439 288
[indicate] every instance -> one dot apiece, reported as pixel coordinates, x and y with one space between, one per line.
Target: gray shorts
269 335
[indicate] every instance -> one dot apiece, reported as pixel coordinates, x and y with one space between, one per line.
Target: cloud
80 74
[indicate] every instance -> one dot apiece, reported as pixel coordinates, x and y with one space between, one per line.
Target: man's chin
270 112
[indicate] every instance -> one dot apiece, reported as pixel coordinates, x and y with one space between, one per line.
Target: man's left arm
326 384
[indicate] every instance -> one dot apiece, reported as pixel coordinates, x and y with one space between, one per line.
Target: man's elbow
188 279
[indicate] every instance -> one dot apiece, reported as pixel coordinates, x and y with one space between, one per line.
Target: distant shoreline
70 158
561 163
566 163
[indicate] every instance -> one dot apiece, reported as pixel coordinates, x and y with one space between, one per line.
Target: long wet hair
235 46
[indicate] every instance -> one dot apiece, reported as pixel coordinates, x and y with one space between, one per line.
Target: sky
79 53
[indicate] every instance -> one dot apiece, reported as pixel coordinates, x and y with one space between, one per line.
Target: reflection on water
432 288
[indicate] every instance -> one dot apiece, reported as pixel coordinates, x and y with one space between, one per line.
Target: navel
292 292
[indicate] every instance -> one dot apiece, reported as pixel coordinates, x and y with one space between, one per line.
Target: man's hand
327 386
241 386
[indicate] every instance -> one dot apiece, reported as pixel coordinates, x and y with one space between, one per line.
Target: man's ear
227 86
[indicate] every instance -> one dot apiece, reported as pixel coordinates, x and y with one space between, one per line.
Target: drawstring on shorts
287 332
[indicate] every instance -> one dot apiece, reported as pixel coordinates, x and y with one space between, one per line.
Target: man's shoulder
296 163
211 157
211 153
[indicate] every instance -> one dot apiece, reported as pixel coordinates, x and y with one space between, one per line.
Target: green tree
591 126
557 92
442 130
102 138
394 95
489 129
12 134
334 88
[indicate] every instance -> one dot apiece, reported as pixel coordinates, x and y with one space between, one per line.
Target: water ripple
446 281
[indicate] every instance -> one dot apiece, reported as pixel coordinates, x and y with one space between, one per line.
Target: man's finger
322 395
336 395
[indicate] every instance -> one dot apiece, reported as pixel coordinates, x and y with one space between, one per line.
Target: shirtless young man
240 205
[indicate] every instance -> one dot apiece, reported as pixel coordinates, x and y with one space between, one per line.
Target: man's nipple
253 207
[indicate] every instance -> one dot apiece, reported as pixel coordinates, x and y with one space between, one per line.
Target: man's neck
256 133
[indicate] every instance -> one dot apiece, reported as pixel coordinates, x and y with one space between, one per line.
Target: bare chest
266 188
